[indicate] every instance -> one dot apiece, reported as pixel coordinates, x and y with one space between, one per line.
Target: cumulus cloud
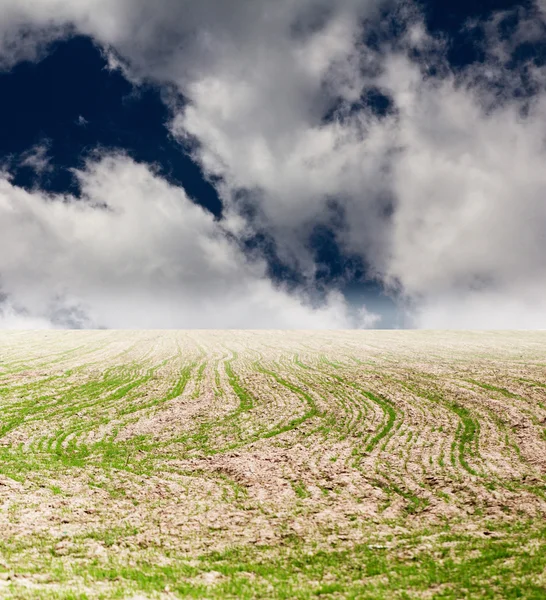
136 252
442 196
468 237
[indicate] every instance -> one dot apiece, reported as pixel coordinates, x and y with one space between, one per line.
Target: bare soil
122 450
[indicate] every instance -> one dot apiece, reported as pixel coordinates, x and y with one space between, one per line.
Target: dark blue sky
72 104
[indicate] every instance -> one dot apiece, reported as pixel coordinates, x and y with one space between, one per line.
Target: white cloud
14 317
519 308
37 158
468 237
444 198
136 253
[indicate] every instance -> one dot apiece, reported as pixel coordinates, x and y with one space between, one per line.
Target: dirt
274 436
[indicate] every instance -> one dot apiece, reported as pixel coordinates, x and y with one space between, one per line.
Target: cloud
37 159
16 317
441 197
259 77
467 241
512 308
136 252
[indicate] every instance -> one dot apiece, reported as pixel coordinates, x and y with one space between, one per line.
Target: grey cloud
136 252
458 167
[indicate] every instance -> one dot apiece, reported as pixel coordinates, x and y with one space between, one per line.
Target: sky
296 164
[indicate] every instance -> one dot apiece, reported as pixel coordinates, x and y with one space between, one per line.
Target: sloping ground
273 464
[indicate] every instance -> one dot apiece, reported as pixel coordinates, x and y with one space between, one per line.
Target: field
202 464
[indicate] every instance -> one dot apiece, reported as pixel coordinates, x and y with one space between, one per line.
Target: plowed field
372 464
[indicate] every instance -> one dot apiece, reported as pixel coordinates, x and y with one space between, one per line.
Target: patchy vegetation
273 465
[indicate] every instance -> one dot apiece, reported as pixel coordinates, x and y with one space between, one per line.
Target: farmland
370 464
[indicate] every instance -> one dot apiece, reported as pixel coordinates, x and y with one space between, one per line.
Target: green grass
126 481
246 400
508 563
